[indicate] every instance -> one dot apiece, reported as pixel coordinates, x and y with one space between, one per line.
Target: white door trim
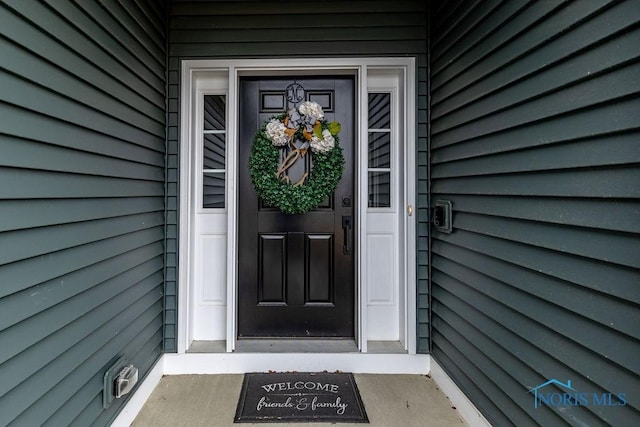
234 68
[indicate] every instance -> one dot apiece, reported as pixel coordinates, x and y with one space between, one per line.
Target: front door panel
296 272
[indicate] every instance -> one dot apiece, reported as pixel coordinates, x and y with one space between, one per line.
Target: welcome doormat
300 397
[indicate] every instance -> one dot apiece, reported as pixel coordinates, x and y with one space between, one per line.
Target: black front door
296 272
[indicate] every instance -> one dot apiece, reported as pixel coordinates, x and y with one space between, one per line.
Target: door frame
233 69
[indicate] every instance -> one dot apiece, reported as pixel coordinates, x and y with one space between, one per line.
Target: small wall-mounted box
442 217
119 380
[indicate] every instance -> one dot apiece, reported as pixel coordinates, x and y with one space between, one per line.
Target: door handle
346 228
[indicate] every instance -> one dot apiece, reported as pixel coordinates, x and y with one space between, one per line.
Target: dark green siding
82 171
260 29
535 110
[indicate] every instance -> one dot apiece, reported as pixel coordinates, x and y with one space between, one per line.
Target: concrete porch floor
211 400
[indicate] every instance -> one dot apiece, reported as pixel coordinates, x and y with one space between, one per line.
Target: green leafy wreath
314 136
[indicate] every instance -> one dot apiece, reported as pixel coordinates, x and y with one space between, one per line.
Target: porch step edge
240 363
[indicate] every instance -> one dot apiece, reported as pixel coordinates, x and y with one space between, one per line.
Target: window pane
214 112
379 111
379 150
213 190
379 189
214 151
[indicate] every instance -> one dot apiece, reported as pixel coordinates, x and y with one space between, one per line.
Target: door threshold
306 345
297 346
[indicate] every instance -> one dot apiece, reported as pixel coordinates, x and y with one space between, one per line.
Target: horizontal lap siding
261 29
535 112
82 162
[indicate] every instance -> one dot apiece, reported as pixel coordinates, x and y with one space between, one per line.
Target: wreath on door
280 143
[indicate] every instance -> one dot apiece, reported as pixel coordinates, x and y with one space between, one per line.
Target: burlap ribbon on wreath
293 121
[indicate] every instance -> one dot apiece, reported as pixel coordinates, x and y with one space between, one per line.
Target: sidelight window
214 140
379 150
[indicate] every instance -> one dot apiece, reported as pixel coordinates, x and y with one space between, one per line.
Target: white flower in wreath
275 131
311 109
323 145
